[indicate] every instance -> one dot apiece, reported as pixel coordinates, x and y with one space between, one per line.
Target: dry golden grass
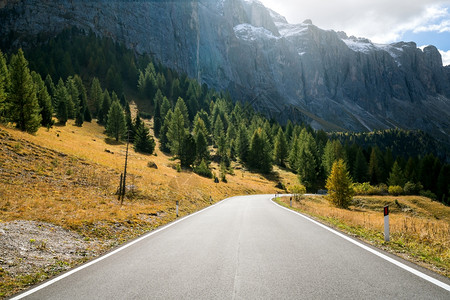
69 176
419 227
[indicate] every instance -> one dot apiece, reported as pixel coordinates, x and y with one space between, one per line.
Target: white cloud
382 21
445 57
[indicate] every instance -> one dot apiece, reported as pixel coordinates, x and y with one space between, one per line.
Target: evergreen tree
289 131
95 96
25 109
293 154
426 170
44 100
61 98
4 82
328 157
411 173
201 146
340 185
443 185
164 140
51 88
243 144
376 168
396 177
184 111
176 132
79 118
73 100
143 141
116 126
281 148
157 121
165 108
307 160
260 154
188 151
360 168
83 107
106 104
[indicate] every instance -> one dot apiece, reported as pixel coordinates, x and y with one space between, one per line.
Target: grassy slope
419 227
66 177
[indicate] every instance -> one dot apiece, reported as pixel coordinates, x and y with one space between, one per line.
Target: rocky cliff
298 71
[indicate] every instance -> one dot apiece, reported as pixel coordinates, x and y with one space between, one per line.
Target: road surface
242 248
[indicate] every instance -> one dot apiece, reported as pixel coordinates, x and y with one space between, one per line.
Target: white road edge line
56 279
379 254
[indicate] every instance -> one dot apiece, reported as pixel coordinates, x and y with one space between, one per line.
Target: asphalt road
242 248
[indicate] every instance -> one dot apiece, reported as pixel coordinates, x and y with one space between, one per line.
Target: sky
426 22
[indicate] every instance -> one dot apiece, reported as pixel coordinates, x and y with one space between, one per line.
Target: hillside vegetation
68 177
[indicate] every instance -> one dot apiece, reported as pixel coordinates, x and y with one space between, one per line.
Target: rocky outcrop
299 71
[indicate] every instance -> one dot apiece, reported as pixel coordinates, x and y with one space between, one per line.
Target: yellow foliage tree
340 185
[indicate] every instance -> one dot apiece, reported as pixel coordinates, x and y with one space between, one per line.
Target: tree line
197 124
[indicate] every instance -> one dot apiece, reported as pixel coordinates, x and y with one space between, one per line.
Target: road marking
56 279
379 254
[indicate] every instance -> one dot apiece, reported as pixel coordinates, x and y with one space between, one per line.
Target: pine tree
4 82
176 132
24 103
116 126
73 100
44 100
243 144
443 184
83 107
281 148
163 138
61 98
328 157
79 118
143 141
201 146
340 185
96 96
184 111
376 166
51 88
260 154
157 121
307 160
165 108
188 151
360 168
396 177
106 104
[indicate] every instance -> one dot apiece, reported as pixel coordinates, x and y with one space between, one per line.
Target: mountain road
245 247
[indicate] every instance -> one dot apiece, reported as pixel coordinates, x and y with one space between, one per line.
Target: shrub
395 190
428 194
363 188
203 170
298 190
412 188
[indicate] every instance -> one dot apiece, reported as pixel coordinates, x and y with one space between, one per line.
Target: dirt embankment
27 246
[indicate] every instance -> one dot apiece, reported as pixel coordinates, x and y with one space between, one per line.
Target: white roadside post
177 209
386 223
290 201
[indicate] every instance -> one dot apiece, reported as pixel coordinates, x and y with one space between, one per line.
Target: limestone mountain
296 71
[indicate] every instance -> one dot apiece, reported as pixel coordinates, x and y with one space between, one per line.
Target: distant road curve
245 247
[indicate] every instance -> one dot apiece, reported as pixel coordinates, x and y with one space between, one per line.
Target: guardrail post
386 223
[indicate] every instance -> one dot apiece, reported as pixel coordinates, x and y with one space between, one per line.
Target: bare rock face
298 71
